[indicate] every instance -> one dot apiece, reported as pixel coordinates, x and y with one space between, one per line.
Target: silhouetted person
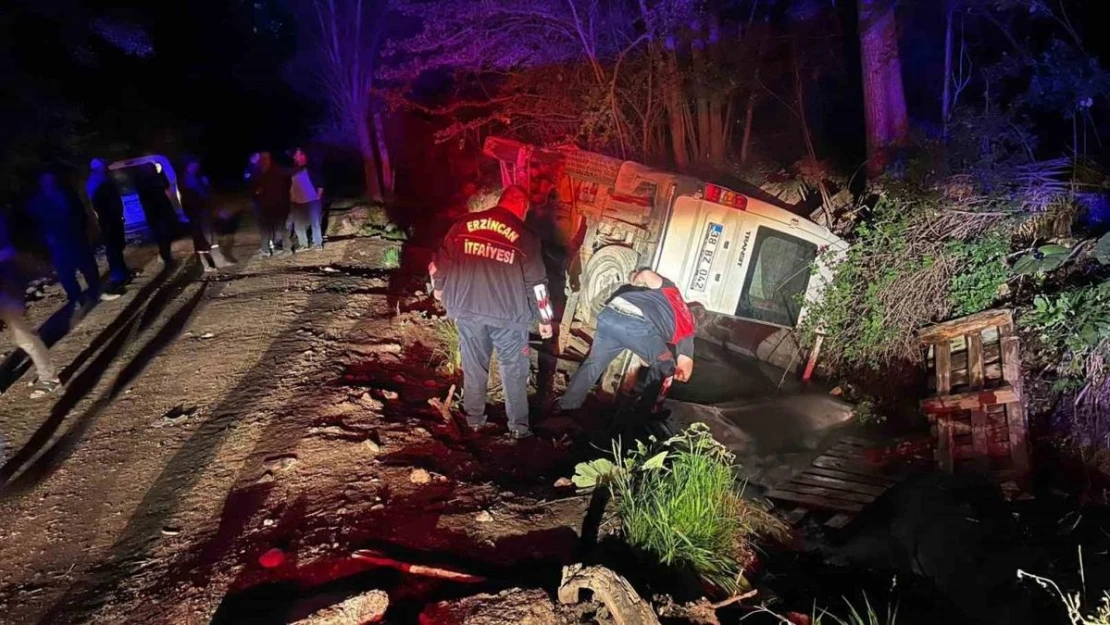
108 206
196 201
271 190
12 309
161 218
61 218
306 195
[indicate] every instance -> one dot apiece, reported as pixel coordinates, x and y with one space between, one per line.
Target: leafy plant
867 616
866 413
679 501
391 258
983 275
1075 321
1044 259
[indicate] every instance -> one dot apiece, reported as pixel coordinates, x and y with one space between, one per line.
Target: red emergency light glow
721 195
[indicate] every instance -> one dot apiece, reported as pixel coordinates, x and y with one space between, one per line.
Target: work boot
205 261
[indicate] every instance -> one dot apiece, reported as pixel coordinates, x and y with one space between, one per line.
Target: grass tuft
391 258
680 501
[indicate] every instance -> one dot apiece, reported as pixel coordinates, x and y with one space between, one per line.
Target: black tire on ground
606 271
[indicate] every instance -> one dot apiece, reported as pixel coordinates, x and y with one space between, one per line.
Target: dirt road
278 408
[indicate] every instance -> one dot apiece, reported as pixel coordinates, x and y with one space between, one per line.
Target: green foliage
867 413
913 262
679 501
855 616
391 258
1075 321
446 353
983 273
1102 249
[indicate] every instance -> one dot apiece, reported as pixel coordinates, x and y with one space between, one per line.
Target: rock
372 446
171 531
266 478
208 335
272 559
388 394
564 482
377 506
330 269
368 607
376 348
280 463
369 402
420 476
484 517
517 606
267 522
625 606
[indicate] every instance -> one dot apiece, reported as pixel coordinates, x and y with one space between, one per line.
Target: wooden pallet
841 482
976 413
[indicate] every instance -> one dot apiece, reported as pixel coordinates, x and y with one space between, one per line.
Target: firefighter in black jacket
490 276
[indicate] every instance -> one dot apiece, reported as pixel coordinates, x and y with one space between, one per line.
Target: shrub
1073 325
679 501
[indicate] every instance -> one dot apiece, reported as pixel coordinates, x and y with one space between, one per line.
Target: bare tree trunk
746 142
884 100
719 120
676 111
702 133
383 156
369 163
946 94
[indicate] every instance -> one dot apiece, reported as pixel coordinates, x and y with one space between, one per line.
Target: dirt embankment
225 443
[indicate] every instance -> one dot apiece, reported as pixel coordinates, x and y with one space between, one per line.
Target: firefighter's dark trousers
476 342
616 332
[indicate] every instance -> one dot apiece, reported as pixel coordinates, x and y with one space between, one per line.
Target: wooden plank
944 368
980 451
857 441
839 521
852 455
970 400
975 360
1019 445
944 442
1011 364
874 480
845 465
965 325
820 491
831 482
819 503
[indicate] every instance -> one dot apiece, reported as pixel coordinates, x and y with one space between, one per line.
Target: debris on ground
368 607
516 605
420 476
624 605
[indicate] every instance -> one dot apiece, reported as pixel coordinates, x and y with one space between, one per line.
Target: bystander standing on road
105 199
307 195
160 215
490 276
649 318
61 218
270 189
12 314
196 202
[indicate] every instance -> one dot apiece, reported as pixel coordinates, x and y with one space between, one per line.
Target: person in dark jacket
490 276
108 206
271 190
12 314
649 318
196 202
161 218
62 220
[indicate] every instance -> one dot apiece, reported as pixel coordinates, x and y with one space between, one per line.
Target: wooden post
975 360
943 350
1015 411
813 354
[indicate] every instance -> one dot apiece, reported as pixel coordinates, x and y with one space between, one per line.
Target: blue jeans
305 216
617 332
70 254
477 342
